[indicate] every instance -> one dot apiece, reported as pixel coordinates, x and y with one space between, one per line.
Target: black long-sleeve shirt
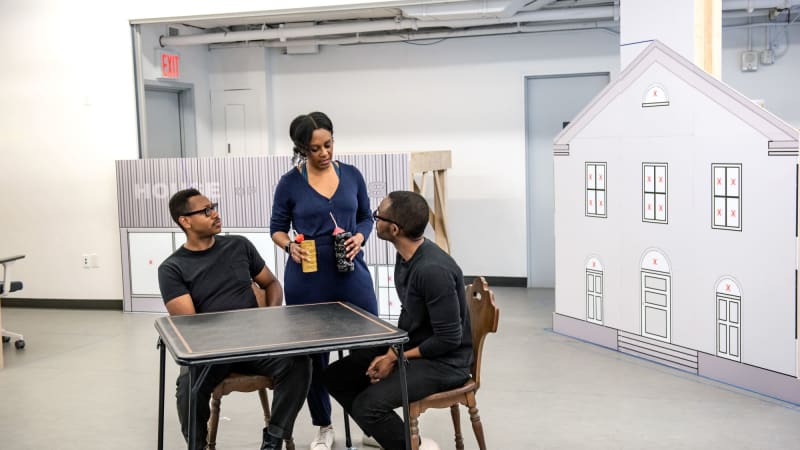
435 314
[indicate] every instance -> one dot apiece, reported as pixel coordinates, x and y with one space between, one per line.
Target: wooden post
437 163
708 36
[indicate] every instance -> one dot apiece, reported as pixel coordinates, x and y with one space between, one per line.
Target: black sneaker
271 442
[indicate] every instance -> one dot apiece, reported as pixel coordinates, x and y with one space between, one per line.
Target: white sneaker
369 441
427 444
324 439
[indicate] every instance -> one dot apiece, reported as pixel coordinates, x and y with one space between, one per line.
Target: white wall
68 111
466 95
237 69
777 84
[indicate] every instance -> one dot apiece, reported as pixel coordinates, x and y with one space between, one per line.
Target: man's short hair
179 203
411 212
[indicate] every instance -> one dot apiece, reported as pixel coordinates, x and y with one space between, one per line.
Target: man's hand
381 366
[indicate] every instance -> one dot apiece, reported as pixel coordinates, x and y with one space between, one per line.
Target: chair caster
19 344
6 338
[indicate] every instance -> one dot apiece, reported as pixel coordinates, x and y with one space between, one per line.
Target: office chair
12 286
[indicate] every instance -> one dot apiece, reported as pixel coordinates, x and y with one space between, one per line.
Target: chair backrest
484 316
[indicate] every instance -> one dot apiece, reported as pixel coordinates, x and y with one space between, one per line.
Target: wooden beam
437 163
429 161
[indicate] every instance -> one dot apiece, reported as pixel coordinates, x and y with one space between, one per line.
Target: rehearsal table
201 340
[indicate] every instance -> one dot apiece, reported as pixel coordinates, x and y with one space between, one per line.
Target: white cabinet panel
179 240
147 251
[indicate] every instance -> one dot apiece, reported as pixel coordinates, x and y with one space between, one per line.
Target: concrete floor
89 380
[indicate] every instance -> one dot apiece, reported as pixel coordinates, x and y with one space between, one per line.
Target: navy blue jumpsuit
297 205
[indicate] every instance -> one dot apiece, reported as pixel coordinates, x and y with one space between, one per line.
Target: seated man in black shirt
435 315
215 273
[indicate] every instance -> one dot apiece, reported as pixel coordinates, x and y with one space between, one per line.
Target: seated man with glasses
431 288
215 273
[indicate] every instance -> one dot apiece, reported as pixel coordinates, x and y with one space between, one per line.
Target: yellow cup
309 246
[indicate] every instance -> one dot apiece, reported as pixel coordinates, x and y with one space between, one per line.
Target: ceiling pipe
424 36
290 33
282 33
574 14
539 4
750 5
514 6
476 9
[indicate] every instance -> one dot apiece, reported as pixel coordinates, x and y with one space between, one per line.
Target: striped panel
373 168
398 178
243 186
661 352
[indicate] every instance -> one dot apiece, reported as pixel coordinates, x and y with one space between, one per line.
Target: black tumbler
340 250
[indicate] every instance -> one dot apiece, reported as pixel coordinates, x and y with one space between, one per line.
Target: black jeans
291 376
372 405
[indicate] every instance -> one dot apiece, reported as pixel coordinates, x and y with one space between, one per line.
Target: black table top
279 330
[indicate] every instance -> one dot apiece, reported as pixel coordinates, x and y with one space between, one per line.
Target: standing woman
307 199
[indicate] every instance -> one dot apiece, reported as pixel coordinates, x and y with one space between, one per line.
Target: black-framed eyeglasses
376 218
208 210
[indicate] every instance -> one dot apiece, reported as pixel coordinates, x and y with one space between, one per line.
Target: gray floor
88 380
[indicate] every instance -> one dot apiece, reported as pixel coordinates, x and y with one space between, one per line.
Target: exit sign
170 64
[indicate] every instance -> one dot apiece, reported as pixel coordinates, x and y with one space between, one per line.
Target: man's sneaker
427 444
270 442
324 439
369 441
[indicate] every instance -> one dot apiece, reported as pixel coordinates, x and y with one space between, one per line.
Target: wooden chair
484 316
237 382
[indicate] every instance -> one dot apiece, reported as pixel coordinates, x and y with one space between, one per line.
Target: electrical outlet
766 56
749 61
90 261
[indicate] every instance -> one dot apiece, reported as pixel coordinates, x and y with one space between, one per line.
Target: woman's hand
353 245
298 253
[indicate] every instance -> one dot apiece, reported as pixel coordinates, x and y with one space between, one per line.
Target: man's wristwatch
288 247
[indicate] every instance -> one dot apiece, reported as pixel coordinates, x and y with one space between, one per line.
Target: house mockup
676 226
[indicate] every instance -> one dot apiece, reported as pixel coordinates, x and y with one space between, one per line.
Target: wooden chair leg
414 425
477 427
262 395
454 413
213 423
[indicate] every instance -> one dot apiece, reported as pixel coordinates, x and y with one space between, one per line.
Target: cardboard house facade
676 226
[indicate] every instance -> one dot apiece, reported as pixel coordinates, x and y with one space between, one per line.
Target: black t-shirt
435 313
218 278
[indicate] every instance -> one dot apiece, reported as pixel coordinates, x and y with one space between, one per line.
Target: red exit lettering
170 65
